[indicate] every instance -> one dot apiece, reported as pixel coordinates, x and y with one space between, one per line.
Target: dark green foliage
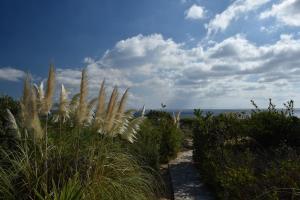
147 146
275 125
171 136
159 139
250 156
186 125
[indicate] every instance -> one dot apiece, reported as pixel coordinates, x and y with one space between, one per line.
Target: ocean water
190 112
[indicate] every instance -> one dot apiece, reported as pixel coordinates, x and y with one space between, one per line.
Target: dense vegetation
252 156
159 139
80 149
96 149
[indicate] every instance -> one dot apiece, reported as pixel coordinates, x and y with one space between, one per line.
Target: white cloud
269 29
238 8
11 74
286 12
195 12
225 74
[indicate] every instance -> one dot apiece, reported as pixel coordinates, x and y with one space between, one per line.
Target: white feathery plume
174 118
122 105
39 90
178 119
143 111
12 124
35 123
63 104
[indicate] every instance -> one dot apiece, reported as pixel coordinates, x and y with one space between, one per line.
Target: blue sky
185 53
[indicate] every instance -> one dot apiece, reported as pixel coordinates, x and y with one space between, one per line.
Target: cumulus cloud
195 12
286 12
238 8
160 70
10 74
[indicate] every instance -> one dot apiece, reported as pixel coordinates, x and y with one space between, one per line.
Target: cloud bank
286 12
237 9
11 74
160 70
226 73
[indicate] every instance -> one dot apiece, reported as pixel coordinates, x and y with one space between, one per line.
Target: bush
147 146
249 156
171 136
276 125
158 140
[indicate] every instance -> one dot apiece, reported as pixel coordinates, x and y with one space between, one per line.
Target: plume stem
46 150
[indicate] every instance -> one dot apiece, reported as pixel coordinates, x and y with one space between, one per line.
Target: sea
188 113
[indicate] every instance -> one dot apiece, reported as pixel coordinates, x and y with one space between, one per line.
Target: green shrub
147 146
158 140
170 134
249 156
276 125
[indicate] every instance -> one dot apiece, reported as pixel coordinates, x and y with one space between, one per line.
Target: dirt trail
185 179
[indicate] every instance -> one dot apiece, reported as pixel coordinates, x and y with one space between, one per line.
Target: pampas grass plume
50 90
82 107
122 105
111 109
101 102
12 124
63 104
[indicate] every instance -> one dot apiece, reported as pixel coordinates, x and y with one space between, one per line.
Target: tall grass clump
74 149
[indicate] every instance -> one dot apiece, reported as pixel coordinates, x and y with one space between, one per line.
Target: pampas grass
122 105
111 110
29 111
35 120
47 104
143 112
12 124
107 172
100 111
176 118
25 101
63 110
115 120
39 90
79 161
82 111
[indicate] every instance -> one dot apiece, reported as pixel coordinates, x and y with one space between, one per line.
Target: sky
184 53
